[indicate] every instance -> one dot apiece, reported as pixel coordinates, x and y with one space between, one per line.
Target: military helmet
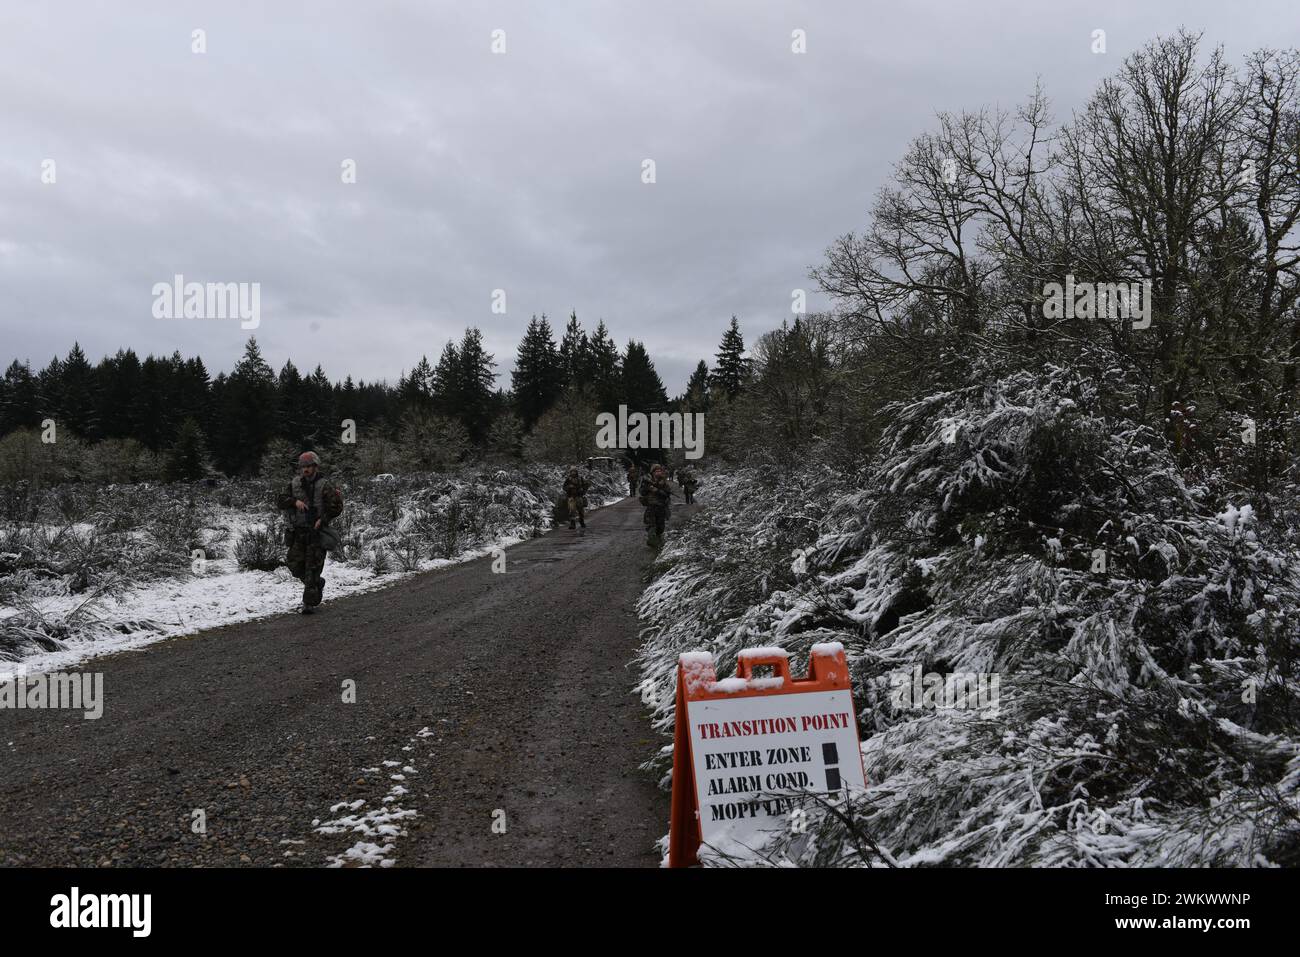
308 458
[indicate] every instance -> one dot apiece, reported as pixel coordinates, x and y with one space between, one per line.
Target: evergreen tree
119 384
49 391
643 390
505 438
20 408
696 398
446 381
78 407
149 410
575 356
536 376
792 386
475 386
187 458
415 391
294 420
606 369
194 394
247 417
323 419
731 372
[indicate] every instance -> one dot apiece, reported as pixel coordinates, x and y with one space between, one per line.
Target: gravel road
496 712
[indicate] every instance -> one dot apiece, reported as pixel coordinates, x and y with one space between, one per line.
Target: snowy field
147 563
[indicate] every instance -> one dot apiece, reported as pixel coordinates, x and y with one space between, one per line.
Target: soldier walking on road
687 480
633 477
656 496
575 490
309 505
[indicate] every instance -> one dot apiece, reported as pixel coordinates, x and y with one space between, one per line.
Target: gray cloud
478 171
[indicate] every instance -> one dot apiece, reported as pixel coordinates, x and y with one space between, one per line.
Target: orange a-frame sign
745 747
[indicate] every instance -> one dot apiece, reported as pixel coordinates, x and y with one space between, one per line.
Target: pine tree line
436 414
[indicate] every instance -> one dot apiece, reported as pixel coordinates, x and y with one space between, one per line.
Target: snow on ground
222 595
379 827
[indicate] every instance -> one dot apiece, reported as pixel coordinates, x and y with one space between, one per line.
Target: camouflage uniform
687 480
633 476
306 558
575 490
656 497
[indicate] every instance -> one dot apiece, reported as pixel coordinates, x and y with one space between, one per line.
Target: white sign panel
751 754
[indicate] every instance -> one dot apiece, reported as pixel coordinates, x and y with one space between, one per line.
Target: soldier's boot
311 594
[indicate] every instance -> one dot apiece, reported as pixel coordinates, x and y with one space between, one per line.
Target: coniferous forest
171 418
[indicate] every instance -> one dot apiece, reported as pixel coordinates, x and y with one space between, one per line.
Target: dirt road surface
496 712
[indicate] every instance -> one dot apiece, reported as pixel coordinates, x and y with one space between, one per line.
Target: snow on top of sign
697 669
733 685
826 648
771 652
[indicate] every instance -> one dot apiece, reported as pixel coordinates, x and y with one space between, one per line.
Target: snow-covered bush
1144 633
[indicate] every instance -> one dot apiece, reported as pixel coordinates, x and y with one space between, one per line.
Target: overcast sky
478 171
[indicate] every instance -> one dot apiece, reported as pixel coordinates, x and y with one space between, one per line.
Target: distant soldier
633 476
309 505
656 496
575 490
687 480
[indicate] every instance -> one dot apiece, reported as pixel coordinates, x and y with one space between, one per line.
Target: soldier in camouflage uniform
309 504
575 490
687 480
633 477
656 496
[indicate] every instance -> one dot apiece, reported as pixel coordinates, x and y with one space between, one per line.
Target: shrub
1149 700
260 549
